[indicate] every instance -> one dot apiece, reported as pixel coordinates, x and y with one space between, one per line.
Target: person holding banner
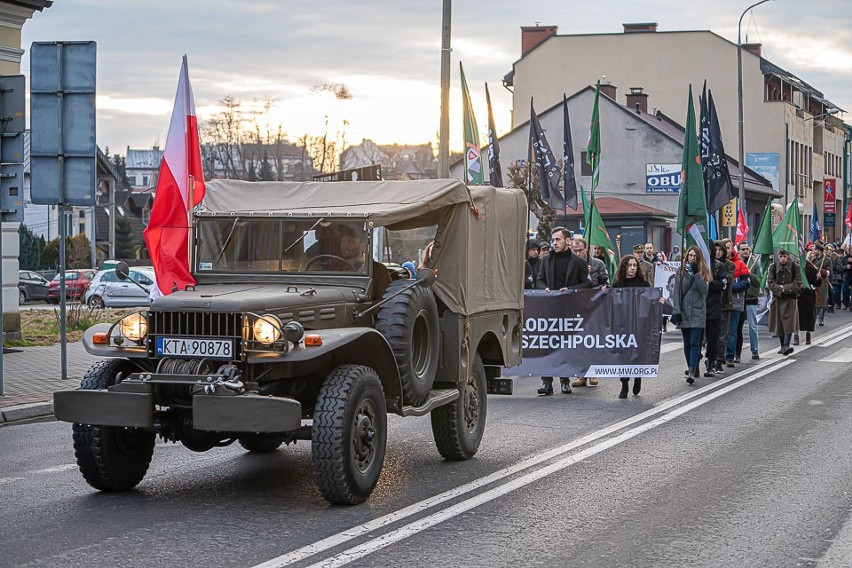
559 271
599 278
784 280
628 275
690 307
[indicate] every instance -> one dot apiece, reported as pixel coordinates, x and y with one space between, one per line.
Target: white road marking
668 347
843 355
499 475
9 479
420 525
835 338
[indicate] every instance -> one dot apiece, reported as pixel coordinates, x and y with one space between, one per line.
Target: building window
145 181
82 213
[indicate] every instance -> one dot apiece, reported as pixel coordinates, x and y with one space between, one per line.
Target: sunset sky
386 53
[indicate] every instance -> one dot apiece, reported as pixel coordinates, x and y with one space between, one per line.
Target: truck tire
260 444
409 322
111 458
458 426
349 434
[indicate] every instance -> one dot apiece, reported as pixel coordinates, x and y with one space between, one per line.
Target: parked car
108 291
76 284
31 286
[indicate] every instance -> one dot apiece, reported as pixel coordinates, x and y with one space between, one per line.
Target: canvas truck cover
479 256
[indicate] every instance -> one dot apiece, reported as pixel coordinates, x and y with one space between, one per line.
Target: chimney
531 36
640 28
637 100
608 88
754 48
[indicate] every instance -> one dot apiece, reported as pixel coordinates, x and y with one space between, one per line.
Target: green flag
762 249
472 148
586 210
593 145
788 236
598 235
692 203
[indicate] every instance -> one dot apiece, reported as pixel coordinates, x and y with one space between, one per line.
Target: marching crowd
711 302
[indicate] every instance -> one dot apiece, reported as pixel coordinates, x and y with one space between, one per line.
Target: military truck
300 328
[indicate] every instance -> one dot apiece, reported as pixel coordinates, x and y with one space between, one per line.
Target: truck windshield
245 244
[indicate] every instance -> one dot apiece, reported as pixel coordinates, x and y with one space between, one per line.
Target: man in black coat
532 263
559 271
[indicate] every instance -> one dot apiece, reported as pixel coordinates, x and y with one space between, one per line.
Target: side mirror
122 270
425 277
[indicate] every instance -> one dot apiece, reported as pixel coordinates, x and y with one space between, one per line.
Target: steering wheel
333 257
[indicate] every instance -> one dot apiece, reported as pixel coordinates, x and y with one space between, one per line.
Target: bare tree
526 179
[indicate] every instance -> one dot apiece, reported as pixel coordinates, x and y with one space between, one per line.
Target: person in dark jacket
751 301
784 280
807 303
727 307
739 286
628 275
560 271
532 264
716 294
690 306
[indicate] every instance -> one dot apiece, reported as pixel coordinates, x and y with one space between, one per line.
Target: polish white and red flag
742 228
180 186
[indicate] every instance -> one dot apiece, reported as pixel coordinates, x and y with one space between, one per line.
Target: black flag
495 174
545 164
570 182
717 178
704 133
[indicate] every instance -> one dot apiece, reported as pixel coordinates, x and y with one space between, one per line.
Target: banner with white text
592 333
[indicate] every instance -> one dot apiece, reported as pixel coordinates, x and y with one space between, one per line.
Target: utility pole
444 129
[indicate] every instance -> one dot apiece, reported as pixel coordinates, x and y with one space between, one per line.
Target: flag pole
529 185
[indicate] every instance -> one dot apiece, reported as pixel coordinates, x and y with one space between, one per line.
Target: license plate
206 348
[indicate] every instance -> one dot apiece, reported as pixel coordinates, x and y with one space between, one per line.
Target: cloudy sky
386 52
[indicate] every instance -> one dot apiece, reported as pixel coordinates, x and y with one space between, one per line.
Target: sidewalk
32 374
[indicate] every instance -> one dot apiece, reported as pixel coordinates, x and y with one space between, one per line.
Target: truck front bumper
131 404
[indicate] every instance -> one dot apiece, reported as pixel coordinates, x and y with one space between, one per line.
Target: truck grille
196 324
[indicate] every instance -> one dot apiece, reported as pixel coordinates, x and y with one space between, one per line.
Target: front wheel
96 303
458 426
22 297
111 458
349 434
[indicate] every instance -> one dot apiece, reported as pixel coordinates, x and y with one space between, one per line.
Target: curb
24 412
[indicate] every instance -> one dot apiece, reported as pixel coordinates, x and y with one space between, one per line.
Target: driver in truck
352 247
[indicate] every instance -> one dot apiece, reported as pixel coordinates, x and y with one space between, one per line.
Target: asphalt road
748 469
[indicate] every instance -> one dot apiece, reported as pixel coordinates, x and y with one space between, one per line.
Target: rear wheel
349 434
111 458
458 426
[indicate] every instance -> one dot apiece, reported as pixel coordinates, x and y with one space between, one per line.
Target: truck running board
438 397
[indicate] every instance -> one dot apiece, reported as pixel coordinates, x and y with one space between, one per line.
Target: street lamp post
741 156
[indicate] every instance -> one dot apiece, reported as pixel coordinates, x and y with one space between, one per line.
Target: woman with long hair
629 275
690 306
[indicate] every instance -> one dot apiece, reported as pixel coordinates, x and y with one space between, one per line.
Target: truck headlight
134 327
267 329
